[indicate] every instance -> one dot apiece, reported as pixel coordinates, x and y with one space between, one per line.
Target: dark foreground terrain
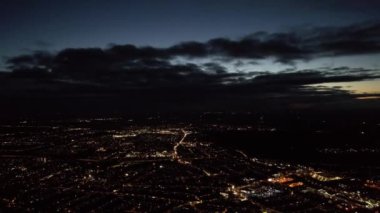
212 162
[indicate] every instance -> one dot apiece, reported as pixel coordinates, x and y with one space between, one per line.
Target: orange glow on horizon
357 87
368 97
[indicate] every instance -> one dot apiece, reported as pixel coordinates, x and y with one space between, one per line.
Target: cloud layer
127 70
299 44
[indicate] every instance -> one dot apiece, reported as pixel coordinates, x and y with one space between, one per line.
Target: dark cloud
155 74
191 49
214 68
299 44
305 77
144 76
174 88
74 61
131 52
36 60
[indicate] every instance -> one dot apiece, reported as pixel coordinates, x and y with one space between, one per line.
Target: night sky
330 45
54 25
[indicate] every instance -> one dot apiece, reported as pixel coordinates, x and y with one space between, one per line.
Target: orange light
297 184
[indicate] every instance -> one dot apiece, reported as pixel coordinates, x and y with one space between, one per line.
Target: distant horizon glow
354 87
